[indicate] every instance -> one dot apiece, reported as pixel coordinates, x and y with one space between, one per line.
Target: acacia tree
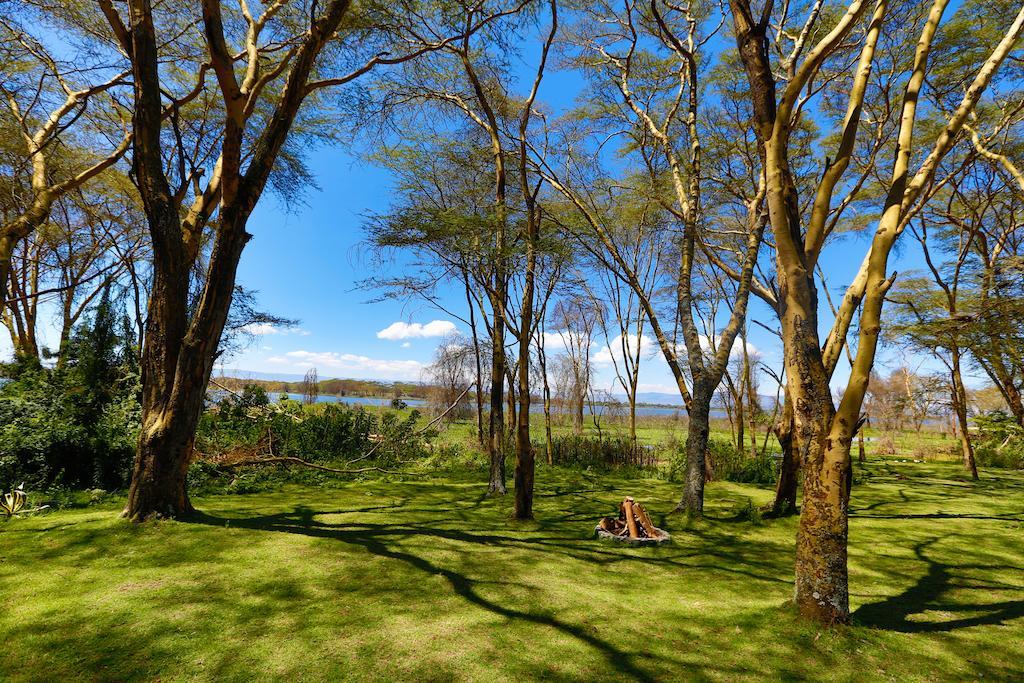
970 242
824 432
463 94
615 300
264 66
451 375
81 252
58 110
528 313
574 320
645 62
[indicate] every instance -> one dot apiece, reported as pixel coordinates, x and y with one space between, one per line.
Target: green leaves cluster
75 425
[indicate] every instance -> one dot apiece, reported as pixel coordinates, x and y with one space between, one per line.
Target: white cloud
737 348
352 365
561 342
605 355
401 330
261 329
406 345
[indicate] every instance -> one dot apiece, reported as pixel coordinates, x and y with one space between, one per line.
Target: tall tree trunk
496 423
960 407
697 432
479 368
525 457
822 591
177 361
632 418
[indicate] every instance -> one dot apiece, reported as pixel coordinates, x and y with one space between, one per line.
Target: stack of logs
633 522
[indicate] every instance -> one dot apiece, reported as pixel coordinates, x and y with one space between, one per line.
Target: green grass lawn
429 580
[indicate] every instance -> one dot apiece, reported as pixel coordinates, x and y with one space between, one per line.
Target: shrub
1000 441
598 453
751 513
326 433
75 425
726 463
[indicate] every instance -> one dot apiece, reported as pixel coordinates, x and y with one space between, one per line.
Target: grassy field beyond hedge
429 580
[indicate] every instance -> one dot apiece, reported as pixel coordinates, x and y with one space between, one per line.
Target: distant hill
664 399
657 398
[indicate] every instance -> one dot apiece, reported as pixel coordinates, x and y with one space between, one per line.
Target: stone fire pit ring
662 537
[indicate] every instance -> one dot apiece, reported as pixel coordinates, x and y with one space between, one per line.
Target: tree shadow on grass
369 537
943 515
930 594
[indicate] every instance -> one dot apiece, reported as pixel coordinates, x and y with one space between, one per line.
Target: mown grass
430 580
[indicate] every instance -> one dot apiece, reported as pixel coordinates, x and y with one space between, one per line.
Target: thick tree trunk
525 456
822 439
525 460
177 361
789 468
822 592
698 429
161 465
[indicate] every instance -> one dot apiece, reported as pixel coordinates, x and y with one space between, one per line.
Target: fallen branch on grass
285 459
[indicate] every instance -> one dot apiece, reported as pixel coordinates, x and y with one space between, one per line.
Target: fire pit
632 526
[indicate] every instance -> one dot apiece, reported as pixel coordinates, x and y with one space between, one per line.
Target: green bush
75 425
455 457
325 433
601 454
1000 441
728 464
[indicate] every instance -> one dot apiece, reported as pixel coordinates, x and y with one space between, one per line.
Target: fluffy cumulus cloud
613 351
351 365
262 329
401 330
737 348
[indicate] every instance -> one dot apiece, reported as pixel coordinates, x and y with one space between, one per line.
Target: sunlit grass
430 580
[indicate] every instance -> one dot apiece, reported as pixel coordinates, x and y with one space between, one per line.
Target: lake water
536 407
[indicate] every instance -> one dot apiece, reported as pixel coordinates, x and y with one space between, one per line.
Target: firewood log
627 506
645 520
